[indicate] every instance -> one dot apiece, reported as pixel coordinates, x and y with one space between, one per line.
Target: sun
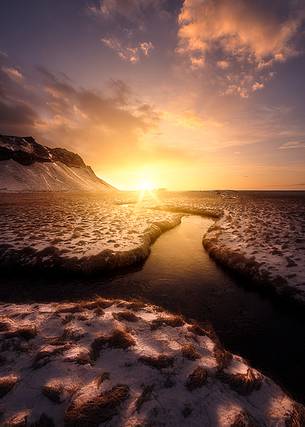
146 191
145 185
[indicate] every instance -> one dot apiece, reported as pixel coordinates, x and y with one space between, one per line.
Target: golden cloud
252 35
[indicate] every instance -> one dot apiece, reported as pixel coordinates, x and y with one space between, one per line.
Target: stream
180 276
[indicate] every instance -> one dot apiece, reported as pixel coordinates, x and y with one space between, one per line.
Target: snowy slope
26 165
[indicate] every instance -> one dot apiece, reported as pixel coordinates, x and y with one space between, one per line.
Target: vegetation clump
145 396
197 378
127 315
170 320
96 410
159 362
7 383
296 417
222 356
243 419
44 355
132 305
118 339
189 352
242 383
196 329
53 390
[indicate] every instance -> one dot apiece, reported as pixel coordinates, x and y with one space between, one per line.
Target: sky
181 94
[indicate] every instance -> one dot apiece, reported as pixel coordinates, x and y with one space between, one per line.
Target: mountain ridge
26 165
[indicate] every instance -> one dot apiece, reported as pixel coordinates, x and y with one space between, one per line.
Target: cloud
16 117
105 127
223 64
13 73
290 145
129 10
128 27
16 111
128 53
197 62
251 36
257 86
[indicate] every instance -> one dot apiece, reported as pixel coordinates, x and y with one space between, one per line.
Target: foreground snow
127 364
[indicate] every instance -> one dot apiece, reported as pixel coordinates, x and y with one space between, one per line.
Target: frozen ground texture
124 363
260 235
80 233
263 238
27 166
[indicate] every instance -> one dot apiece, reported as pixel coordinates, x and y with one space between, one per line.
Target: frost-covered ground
83 233
123 363
264 239
261 235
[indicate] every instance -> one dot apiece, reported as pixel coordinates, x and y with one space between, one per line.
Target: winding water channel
179 275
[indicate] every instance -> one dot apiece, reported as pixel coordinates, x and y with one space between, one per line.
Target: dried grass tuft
127 315
68 318
197 330
189 352
243 384
295 417
160 362
145 396
169 320
72 333
197 378
18 420
243 419
7 383
101 378
133 305
118 339
222 356
6 324
98 302
25 331
44 355
53 390
78 307
97 410
99 311
69 308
